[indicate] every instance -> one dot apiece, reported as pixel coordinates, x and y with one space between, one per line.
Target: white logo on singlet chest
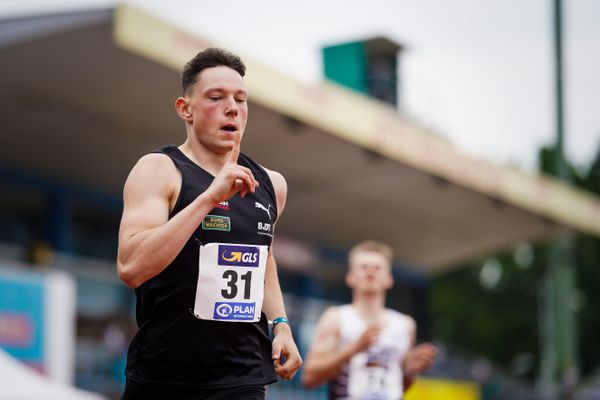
265 209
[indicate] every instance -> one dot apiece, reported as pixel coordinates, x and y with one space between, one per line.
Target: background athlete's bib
373 375
231 282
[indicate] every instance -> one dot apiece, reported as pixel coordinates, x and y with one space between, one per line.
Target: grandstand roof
87 93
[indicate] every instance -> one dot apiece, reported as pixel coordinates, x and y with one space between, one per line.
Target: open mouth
229 128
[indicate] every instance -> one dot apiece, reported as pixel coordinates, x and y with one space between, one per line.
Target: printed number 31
232 289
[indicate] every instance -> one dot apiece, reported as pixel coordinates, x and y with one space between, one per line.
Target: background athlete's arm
326 357
148 240
284 347
418 359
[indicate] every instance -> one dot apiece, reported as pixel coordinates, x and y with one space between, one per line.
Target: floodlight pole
558 367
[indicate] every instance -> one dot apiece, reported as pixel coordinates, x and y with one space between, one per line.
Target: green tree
491 307
587 259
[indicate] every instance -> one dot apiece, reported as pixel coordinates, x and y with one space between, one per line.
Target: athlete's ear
389 281
184 109
350 279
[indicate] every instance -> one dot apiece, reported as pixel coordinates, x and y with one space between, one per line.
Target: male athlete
195 243
363 350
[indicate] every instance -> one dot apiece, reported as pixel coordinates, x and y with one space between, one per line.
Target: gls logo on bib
238 256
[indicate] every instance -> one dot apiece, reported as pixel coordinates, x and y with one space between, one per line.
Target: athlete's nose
231 107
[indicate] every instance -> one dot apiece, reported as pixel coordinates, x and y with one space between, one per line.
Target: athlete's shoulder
154 159
332 314
401 317
154 171
278 180
153 163
279 186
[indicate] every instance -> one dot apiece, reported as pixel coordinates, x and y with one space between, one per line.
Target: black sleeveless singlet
174 348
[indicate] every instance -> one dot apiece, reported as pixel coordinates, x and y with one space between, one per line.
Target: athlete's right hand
368 337
232 178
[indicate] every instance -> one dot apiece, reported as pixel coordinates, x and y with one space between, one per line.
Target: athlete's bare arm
285 353
326 358
148 240
418 359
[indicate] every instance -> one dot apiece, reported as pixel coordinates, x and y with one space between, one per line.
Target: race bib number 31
230 282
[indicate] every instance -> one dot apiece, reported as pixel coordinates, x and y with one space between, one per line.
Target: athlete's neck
209 160
370 306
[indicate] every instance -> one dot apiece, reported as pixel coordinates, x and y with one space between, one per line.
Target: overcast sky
478 72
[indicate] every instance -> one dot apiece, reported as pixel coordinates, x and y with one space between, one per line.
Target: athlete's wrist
207 201
279 323
279 320
208 198
408 370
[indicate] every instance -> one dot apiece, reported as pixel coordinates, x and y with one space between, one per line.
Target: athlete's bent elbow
127 275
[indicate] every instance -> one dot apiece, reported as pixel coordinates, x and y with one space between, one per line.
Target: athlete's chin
367 289
230 135
227 141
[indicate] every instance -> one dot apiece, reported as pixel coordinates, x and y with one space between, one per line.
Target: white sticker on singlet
230 282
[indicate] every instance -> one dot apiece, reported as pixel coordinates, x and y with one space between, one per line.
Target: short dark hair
209 58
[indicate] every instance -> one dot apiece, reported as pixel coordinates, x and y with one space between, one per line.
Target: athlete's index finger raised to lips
235 151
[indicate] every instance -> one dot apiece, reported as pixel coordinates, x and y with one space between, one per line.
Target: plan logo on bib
238 256
234 311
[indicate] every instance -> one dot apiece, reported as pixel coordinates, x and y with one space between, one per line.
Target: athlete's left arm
418 359
285 353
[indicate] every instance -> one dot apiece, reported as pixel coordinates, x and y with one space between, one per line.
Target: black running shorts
139 391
